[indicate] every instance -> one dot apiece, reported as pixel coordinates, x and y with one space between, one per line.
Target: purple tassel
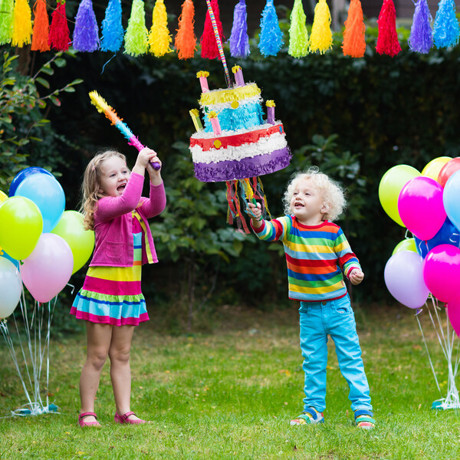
421 37
239 40
85 34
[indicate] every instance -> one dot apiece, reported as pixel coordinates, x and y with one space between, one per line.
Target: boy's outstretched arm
256 214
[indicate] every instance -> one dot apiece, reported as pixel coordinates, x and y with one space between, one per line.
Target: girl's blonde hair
91 186
331 191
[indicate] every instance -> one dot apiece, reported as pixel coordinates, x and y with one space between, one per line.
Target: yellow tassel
321 35
22 24
159 36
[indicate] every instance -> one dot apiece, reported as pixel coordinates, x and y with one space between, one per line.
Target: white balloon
10 287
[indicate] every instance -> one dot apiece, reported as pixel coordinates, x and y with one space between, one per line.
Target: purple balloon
404 279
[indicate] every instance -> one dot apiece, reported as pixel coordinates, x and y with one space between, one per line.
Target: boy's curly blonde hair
91 185
331 191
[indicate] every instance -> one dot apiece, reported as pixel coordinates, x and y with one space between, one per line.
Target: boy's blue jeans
334 318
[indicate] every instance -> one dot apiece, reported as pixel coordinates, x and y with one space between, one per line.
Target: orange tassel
354 41
41 27
185 40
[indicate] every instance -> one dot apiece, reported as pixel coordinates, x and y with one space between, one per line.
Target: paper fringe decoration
136 36
209 48
239 40
271 37
354 39
6 21
446 29
41 28
22 24
387 40
112 28
421 38
298 34
59 38
185 41
159 36
321 35
86 33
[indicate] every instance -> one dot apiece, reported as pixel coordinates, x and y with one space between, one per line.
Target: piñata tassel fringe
298 34
387 40
239 40
6 21
209 48
354 39
185 41
86 33
112 28
421 37
136 36
22 24
41 28
59 38
446 30
159 36
321 34
271 36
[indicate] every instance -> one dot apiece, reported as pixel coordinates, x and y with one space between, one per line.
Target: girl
318 256
111 301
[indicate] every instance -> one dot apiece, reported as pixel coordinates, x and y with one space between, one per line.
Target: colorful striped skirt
112 295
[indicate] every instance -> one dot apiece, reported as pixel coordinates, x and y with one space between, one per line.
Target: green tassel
136 34
298 34
6 21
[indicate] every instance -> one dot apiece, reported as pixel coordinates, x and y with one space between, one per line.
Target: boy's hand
255 211
356 276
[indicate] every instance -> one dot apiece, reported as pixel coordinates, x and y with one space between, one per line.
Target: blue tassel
85 34
271 37
446 29
421 38
239 40
112 28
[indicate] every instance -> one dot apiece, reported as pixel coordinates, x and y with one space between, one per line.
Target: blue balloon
46 192
450 198
21 175
447 234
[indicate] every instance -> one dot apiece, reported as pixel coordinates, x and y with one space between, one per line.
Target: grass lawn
231 394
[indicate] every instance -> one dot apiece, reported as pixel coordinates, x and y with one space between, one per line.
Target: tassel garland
421 38
239 40
271 37
298 34
209 48
41 28
22 24
6 21
136 36
321 34
185 41
86 33
112 28
354 40
59 37
159 37
387 40
446 28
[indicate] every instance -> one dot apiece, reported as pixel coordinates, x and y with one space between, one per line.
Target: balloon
21 175
81 241
408 244
20 226
448 234
3 197
451 199
453 313
46 192
8 257
441 272
404 279
448 169
421 208
48 269
390 186
433 168
10 287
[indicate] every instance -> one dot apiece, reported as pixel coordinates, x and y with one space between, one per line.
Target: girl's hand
255 211
356 276
155 174
143 159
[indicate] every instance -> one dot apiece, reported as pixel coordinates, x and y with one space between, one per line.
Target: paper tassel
185 41
6 21
22 24
208 41
41 27
354 40
446 29
421 38
271 37
387 40
239 40
59 38
321 35
298 34
136 34
159 36
86 33
112 28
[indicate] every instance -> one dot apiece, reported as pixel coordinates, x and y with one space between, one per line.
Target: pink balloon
404 279
453 313
441 272
421 208
48 269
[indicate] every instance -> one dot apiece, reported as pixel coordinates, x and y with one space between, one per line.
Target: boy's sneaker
309 416
364 419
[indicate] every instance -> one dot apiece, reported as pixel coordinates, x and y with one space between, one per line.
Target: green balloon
390 187
407 244
81 241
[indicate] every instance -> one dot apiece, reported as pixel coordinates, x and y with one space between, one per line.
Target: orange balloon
448 169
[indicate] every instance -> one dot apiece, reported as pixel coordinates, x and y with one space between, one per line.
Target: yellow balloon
407 244
21 225
390 187
3 197
433 168
81 241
